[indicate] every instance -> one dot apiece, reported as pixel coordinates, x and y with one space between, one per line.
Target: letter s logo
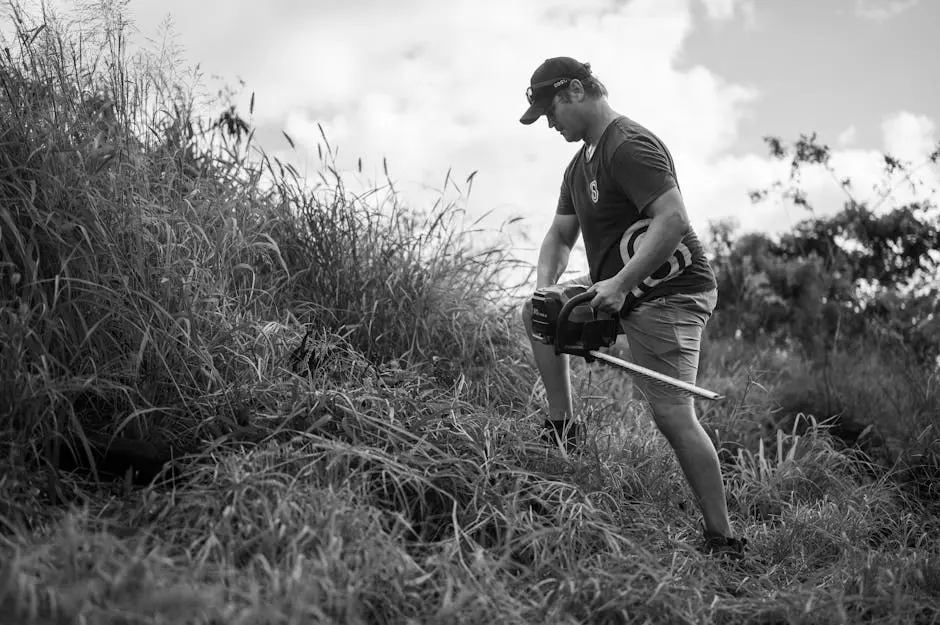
594 193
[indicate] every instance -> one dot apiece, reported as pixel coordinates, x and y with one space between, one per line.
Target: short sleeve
565 205
642 170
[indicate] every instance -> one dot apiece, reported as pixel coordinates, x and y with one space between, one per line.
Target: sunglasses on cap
541 90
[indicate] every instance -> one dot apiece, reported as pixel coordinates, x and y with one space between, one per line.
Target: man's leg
553 370
665 335
698 459
555 373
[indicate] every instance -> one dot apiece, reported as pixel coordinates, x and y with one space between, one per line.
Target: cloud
717 189
847 137
724 10
881 10
908 136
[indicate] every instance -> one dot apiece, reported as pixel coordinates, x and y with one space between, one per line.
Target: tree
862 272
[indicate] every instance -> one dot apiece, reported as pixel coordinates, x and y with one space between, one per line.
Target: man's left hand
609 295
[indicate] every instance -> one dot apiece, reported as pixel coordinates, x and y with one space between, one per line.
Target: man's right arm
556 248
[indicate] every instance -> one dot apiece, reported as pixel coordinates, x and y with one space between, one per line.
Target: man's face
562 116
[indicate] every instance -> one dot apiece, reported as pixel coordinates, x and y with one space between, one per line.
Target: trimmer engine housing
573 327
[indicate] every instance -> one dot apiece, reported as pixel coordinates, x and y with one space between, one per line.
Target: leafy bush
861 274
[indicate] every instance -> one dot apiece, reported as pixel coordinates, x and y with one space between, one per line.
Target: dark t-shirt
629 169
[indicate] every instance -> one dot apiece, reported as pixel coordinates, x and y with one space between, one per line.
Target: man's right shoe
722 546
564 434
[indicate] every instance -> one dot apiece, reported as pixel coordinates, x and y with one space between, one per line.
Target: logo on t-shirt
677 263
593 188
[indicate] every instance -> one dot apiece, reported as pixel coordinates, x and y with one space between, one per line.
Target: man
620 192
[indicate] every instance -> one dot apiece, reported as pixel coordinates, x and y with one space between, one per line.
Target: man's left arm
669 222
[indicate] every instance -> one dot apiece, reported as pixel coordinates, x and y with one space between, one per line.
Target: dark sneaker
563 434
723 546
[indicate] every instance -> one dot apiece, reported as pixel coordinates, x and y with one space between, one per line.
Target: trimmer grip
565 312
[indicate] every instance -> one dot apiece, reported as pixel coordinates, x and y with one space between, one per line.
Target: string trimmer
562 317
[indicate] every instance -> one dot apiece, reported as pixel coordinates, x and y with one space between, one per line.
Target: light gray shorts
665 335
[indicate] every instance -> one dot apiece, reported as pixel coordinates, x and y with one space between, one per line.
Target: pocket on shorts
668 331
699 304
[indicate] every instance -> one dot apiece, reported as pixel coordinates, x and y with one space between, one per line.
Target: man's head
558 89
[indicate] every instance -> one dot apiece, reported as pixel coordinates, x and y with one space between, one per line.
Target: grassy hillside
335 396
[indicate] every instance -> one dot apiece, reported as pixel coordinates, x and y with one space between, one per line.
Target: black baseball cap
549 78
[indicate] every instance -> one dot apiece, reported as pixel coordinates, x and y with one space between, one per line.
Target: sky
431 85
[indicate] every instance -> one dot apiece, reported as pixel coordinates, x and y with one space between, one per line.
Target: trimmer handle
565 312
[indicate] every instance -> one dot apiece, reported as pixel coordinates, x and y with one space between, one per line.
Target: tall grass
350 401
137 285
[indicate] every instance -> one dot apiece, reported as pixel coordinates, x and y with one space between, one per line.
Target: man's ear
576 89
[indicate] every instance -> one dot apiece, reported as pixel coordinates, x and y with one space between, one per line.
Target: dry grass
350 405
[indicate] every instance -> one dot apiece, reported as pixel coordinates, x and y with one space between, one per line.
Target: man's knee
674 418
